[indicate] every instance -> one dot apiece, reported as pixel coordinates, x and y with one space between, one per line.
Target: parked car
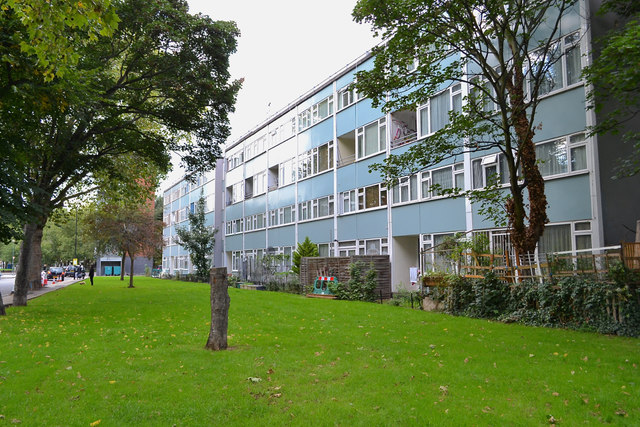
56 273
75 271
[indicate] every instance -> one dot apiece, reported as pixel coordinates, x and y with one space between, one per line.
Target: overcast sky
286 47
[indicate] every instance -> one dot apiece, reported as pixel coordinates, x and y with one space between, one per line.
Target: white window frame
455 92
361 141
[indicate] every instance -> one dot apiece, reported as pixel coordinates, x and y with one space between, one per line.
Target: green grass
136 357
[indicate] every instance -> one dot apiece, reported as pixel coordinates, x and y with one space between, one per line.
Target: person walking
91 273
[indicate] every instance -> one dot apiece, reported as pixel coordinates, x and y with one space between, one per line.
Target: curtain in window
413 181
323 206
478 181
372 247
371 139
323 158
552 157
442 178
372 196
578 158
440 106
424 121
574 67
556 238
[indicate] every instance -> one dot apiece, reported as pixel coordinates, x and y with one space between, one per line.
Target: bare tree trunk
3 311
131 257
219 309
28 272
122 261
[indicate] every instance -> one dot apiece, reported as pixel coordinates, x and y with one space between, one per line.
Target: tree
160 83
127 229
35 46
505 51
306 248
614 76
198 239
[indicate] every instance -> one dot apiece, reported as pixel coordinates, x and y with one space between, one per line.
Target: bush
360 287
576 302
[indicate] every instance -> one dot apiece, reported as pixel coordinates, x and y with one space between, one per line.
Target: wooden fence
514 269
312 267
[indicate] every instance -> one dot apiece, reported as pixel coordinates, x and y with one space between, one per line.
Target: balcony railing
346 160
404 140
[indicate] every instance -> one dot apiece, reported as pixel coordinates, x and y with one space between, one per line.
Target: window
560 67
348 201
371 138
235 160
317 208
315 161
435 114
316 113
345 97
406 190
286 172
489 170
374 196
562 155
287 215
556 238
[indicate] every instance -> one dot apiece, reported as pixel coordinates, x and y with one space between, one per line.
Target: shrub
360 287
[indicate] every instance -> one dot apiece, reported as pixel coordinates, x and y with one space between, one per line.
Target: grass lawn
121 356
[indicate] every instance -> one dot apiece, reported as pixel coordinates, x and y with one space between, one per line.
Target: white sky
286 47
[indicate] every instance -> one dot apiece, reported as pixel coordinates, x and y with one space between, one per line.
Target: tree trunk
3 311
122 261
525 237
219 309
131 257
28 272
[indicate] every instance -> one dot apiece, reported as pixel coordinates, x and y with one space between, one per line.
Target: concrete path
8 299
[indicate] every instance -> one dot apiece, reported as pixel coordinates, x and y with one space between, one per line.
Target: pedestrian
91 273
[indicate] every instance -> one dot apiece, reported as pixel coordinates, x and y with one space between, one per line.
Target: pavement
50 287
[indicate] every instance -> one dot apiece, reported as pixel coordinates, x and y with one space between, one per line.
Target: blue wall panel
442 215
365 225
316 135
284 196
317 186
234 211
282 236
318 231
233 243
346 120
559 190
561 114
255 205
255 240
436 216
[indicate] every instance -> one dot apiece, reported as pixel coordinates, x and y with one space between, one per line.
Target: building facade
304 172
179 200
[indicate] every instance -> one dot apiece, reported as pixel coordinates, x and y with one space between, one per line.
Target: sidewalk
8 299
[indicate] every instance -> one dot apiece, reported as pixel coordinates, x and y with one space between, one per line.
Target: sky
286 47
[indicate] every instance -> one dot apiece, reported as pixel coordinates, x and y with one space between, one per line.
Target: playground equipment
321 287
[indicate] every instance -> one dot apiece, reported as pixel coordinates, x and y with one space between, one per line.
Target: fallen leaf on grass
95 423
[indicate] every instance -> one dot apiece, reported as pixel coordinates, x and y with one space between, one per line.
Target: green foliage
361 285
160 83
573 302
198 240
305 249
431 45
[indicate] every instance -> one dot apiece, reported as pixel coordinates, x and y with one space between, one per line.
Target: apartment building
305 172
179 200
